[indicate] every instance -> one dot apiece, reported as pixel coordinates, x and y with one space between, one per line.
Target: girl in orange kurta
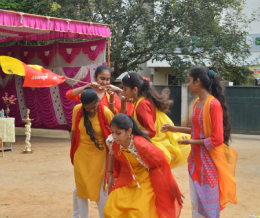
108 97
211 163
145 186
88 150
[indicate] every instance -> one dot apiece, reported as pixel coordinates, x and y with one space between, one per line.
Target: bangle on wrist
112 102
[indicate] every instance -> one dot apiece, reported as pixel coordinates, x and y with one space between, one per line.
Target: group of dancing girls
123 150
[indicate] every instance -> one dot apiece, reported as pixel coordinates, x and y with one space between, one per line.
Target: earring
129 136
134 94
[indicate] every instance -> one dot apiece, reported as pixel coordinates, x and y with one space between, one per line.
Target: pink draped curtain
60 47
46 59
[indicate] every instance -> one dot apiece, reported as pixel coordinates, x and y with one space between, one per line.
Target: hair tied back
144 78
211 74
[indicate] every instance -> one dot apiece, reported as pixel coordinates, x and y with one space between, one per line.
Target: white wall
251 5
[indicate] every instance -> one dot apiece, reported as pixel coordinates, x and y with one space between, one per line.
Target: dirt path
39 185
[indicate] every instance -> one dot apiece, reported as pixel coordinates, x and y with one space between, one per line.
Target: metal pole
108 52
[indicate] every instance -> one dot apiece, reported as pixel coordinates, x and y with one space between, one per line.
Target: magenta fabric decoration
42 28
69 57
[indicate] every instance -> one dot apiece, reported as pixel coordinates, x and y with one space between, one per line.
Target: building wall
160 75
146 72
250 6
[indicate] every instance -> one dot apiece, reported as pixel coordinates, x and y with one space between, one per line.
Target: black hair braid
89 96
217 92
89 129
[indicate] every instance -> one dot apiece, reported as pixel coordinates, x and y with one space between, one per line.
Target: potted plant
8 101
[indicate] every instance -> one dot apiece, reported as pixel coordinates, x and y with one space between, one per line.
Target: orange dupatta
225 159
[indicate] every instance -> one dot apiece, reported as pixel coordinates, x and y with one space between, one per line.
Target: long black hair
210 82
89 96
122 121
100 69
161 101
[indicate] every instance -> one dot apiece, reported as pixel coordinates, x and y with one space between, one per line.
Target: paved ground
39 185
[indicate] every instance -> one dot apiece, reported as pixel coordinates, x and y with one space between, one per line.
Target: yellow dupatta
175 154
225 159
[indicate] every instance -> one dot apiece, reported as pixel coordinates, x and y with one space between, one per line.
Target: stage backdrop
49 106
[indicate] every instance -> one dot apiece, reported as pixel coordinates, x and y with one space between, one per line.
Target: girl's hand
185 141
109 91
169 128
95 85
110 181
123 98
131 100
114 88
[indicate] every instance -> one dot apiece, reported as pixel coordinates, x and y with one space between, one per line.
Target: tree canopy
182 32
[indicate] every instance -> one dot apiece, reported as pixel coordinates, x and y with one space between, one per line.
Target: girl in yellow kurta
145 187
89 151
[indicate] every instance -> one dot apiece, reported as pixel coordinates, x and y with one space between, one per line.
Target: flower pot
7 111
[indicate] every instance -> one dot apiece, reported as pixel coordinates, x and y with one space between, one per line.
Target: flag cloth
12 66
35 76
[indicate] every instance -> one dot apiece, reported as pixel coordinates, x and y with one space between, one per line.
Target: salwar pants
80 205
194 201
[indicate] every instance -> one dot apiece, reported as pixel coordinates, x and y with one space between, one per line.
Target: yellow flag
37 67
12 66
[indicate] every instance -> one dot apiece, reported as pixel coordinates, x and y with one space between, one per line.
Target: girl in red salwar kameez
108 96
150 114
211 163
145 187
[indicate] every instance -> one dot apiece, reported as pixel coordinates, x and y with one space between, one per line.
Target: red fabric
104 99
130 109
216 114
71 97
144 78
146 116
39 79
168 196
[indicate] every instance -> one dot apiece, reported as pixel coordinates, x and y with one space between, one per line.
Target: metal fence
244 109
175 95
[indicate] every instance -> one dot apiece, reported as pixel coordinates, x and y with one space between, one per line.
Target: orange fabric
71 97
168 196
225 159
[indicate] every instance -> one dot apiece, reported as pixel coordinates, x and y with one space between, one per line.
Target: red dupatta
103 123
168 196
